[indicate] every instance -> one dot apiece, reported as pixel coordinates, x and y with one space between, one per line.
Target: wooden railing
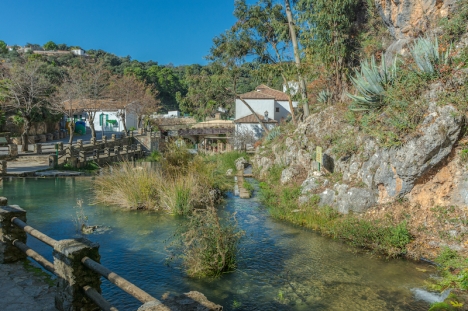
67 255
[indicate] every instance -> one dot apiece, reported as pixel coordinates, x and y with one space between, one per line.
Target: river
280 266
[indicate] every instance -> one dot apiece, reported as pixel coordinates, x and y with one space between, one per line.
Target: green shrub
453 270
247 186
455 24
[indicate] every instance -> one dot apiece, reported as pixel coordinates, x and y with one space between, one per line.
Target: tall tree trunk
290 100
71 129
91 116
302 84
122 117
255 114
24 135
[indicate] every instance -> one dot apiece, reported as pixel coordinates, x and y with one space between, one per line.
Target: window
277 109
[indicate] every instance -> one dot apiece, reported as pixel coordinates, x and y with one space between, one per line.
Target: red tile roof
251 119
264 92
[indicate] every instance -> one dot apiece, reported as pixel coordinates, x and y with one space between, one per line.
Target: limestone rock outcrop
411 18
372 176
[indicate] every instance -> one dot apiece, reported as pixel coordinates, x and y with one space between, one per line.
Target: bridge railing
76 263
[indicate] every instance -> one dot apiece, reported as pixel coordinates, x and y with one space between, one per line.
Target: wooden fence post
73 275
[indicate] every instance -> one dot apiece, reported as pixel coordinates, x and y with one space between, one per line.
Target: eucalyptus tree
267 24
329 29
230 50
25 89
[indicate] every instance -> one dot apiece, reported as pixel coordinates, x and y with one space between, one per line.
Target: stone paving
22 290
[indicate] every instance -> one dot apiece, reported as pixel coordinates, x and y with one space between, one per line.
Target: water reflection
280 266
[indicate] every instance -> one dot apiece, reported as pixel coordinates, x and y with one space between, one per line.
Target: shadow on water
280 266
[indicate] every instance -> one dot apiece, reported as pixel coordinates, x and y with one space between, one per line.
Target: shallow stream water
280 266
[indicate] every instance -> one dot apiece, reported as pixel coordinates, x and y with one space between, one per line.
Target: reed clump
209 245
178 183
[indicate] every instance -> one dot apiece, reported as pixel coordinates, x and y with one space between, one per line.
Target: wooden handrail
119 281
34 255
33 232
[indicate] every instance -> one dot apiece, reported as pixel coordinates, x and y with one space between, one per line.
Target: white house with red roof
272 107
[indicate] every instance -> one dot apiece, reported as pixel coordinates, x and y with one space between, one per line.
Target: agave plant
324 96
275 132
426 55
371 83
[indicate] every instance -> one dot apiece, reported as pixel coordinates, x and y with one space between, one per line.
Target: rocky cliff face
411 18
373 176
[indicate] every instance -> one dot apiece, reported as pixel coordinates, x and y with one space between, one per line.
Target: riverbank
397 229
26 288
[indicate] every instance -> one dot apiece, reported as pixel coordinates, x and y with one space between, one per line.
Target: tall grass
209 246
128 186
180 183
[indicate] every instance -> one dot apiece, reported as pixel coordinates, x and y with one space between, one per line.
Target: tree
50 46
165 80
208 90
95 79
145 103
25 89
3 47
130 94
297 59
69 97
329 29
267 25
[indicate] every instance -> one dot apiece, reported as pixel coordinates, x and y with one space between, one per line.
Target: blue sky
165 31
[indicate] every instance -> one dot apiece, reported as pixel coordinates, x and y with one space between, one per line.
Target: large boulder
395 171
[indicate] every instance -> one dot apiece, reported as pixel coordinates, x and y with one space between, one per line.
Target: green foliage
427 57
454 25
90 166
209 245
453 270
50 46
154 156
371 83
329 28
3 47
226 161
248 186
208 90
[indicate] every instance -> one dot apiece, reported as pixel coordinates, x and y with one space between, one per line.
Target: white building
107 115
272 106
78 52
